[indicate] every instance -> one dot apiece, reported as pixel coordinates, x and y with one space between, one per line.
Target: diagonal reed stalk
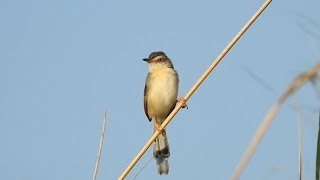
100 147
296 84
194 87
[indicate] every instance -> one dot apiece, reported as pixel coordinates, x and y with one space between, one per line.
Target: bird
160 98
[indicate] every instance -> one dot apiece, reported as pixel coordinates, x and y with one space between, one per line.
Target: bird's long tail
161 152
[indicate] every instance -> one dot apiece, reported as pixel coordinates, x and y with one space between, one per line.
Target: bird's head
159 59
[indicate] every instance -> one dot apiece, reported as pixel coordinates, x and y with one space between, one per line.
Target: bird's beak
146 59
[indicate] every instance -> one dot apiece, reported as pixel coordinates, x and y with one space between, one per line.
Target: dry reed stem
194 87
298 82
100 147
299 149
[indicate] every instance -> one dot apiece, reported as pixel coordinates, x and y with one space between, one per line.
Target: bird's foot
159 128
183 102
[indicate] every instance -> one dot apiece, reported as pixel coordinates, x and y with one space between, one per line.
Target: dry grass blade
100 146
194 87
298 82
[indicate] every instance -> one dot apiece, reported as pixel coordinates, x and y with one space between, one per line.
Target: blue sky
62 63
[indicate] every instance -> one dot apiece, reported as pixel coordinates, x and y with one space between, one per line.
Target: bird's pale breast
162 93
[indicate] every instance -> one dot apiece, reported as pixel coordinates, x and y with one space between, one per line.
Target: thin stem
142 168
100 146
299 149
194 87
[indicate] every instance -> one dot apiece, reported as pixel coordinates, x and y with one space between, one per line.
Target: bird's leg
183 102
158 127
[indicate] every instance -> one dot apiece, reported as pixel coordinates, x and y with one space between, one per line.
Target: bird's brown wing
145 98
